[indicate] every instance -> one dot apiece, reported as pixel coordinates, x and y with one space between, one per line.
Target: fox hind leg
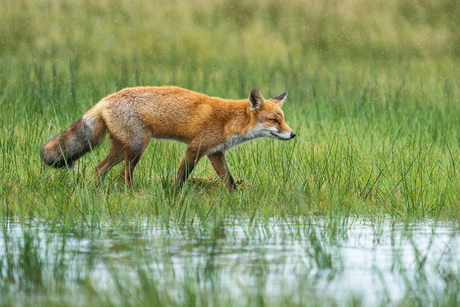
132 157
113 158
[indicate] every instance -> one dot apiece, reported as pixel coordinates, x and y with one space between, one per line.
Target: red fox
209 125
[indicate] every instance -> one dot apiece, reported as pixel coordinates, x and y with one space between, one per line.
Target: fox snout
284 136
291 136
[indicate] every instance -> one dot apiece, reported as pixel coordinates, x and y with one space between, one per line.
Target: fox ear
279 99
256 100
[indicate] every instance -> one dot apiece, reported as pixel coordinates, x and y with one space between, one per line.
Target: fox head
267 119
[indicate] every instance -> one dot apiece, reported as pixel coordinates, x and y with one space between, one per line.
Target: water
322 260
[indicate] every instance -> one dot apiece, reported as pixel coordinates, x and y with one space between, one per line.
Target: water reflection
323 259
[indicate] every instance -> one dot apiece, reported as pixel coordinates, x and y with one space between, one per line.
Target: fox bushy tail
82 136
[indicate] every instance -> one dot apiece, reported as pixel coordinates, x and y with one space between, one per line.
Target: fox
210 126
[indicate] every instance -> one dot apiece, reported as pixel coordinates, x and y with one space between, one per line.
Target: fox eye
274 120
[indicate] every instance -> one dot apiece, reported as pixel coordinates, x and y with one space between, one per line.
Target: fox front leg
219 163
187 165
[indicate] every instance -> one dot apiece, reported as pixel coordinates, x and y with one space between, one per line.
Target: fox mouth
279 137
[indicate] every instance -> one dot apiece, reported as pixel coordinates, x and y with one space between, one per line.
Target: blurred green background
208 32
191 42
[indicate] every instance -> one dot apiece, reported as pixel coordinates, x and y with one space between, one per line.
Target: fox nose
292 134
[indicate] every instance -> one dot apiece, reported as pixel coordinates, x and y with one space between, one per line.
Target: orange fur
209 125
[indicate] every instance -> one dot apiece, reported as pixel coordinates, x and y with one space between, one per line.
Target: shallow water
332 261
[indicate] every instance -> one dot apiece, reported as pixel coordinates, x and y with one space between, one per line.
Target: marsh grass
382 141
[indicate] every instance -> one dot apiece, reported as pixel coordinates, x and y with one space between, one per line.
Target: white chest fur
233 142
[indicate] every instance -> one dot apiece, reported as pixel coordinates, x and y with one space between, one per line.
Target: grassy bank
373 97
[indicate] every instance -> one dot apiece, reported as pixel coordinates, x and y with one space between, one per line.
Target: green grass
374 92
371 139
